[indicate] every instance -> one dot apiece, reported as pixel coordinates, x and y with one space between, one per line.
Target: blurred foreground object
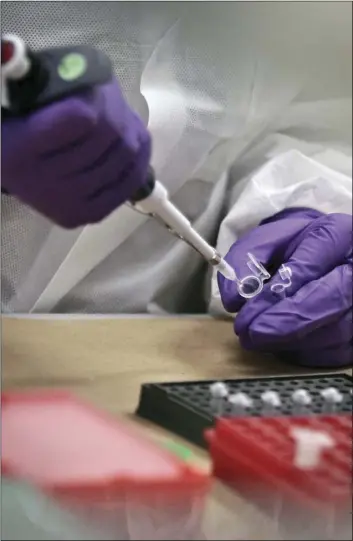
110 478
258 457
29 514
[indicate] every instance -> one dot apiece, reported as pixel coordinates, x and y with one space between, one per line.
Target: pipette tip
226 270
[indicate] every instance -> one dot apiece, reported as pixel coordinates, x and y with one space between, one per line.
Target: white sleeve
289 180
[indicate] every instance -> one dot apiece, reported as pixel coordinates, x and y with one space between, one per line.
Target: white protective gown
250 109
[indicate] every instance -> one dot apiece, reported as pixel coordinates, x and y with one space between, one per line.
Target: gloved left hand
312 323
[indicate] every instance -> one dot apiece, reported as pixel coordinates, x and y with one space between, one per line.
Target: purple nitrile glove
311 324
77 160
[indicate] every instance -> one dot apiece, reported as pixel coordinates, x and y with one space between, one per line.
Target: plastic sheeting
221 85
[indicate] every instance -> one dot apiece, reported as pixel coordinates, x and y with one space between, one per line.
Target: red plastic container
255 456
104 470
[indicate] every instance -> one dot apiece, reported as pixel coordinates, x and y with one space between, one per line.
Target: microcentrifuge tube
285 273
251 285
309 446
271 401
219 392
277 512
302 400
240 403
332 398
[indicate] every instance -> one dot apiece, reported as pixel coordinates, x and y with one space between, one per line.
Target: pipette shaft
157 204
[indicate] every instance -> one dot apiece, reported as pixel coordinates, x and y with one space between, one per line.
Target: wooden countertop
107 359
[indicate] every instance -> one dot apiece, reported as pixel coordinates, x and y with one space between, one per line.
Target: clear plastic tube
285 273
252 284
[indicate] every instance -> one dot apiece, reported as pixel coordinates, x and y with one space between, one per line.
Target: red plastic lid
59 443
7 51
267 443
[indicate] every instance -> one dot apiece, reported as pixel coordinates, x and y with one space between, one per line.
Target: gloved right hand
77 160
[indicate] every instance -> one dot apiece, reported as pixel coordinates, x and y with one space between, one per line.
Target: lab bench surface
106 360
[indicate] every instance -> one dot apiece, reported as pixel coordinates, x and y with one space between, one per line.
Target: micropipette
30 80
